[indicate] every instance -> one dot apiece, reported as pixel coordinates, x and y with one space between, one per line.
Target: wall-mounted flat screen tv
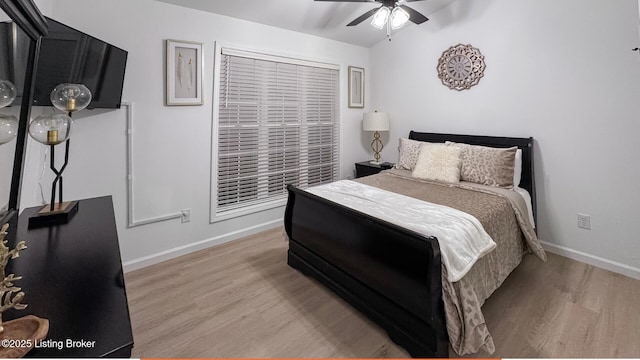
71 56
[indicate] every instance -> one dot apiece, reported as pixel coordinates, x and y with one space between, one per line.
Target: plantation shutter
277 125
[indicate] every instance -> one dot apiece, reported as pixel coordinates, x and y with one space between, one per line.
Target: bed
392 274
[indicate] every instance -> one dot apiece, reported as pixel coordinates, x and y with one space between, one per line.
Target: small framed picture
184 72
356 87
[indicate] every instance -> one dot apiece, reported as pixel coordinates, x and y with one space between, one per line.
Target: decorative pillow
487 165
439 162
408 151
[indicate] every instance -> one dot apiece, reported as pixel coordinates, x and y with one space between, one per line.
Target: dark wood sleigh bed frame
389 273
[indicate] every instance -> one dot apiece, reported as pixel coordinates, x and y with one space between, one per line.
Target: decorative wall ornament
356 87
184 73
460 67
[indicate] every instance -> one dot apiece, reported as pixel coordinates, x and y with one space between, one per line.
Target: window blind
277 125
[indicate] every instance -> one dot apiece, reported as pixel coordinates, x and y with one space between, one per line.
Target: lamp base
62 213
374 162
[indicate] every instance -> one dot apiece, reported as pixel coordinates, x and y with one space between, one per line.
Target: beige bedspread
503 214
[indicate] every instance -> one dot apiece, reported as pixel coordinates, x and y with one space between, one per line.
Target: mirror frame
28 17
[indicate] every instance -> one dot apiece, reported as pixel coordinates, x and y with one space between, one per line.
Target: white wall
560 71
172 144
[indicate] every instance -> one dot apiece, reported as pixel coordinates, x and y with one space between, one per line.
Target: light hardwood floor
242 300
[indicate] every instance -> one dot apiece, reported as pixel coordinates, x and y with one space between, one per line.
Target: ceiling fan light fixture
380 17
398 18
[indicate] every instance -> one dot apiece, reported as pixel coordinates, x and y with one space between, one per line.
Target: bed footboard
389 273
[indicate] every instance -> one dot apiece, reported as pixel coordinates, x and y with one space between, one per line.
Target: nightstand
366 168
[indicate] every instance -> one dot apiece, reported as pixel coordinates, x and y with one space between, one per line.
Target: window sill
247 210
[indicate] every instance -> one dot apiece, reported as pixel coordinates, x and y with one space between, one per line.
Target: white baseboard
606 264
200 245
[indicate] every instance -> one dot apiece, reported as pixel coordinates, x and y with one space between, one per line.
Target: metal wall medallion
460 67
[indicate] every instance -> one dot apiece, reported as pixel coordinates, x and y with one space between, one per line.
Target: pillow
439 162
517 168
408 151
487 165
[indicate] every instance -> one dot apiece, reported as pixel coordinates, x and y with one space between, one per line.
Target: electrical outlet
584 221
186 215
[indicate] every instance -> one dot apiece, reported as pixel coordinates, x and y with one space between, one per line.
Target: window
277 125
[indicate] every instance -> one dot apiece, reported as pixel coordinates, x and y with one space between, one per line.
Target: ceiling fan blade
363 17
348 0
414 16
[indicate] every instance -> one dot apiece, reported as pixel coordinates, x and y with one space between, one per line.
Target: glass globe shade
8 128
8 93
399 17
51 129
70 97
380 17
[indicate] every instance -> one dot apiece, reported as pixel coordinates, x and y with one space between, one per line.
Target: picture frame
356 87
184 72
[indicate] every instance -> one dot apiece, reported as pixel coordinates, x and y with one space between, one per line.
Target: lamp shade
380 17
375 121
398 18
70 97
8 93
50 129
8 128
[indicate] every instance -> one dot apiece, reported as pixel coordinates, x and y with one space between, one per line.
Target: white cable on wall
131 221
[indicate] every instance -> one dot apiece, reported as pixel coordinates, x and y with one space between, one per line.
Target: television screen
71 56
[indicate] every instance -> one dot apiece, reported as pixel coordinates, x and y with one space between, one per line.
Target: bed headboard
526 144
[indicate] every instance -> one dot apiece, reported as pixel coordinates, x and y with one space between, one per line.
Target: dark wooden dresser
72 275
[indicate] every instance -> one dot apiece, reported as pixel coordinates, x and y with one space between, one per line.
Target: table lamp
51 130
376 121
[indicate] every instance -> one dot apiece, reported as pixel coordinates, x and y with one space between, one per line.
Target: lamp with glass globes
51 130
8 123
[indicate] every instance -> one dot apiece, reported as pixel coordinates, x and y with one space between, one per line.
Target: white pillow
438 162
517 168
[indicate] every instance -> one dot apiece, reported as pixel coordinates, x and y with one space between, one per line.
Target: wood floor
242 300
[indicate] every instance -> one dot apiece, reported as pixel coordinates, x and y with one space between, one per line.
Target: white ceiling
321 18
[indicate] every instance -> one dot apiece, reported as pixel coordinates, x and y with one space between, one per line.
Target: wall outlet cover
186 215
584 221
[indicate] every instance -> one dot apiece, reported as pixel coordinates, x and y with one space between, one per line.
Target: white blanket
461 237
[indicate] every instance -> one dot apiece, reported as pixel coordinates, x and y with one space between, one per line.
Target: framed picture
356 87
184 73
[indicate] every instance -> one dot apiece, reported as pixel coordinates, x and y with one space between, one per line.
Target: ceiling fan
393 13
